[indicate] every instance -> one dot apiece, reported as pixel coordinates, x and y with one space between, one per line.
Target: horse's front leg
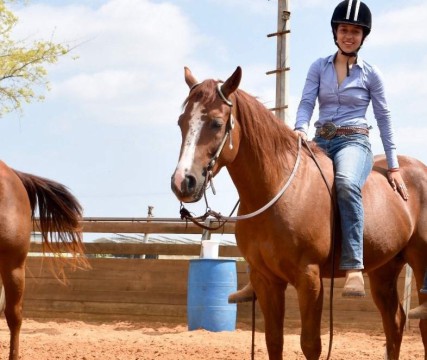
309 287
271 297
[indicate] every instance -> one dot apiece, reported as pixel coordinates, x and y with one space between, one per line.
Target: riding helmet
352 12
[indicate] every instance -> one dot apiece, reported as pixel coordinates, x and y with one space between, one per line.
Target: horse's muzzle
186 189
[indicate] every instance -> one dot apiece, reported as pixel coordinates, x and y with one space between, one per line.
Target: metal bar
145 225
132 219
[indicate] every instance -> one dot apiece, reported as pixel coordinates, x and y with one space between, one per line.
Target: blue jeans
353 160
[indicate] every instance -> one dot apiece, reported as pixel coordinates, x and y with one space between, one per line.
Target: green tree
23 74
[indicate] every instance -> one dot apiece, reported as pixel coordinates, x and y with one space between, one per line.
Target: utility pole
282 62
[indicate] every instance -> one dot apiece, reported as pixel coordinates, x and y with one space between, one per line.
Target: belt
329 130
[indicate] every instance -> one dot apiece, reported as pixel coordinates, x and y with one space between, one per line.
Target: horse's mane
263 130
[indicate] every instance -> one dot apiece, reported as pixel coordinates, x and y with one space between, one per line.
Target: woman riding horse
344 86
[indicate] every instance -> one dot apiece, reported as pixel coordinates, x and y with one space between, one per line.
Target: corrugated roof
162 239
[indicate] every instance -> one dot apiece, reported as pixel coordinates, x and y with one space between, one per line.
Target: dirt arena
146 341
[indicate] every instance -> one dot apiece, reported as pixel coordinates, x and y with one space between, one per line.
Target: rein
331 289
185 214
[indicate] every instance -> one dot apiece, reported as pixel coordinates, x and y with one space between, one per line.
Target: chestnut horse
22 196
290 242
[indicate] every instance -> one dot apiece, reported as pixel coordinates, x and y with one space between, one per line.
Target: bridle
200 220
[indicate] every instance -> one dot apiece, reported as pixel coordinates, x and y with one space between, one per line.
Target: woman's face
349 37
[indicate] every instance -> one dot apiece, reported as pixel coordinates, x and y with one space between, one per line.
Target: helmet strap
349 55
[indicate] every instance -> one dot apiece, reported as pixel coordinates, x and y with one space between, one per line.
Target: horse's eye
216 124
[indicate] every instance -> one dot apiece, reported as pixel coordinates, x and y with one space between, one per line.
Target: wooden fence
119 288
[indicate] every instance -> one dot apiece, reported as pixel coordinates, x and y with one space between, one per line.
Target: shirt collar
359 63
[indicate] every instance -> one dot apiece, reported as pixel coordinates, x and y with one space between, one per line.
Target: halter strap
194 85
228 102
230 126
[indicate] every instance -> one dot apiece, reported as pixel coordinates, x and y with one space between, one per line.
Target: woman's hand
302 134
396 181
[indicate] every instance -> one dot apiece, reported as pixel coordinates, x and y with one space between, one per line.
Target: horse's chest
261 242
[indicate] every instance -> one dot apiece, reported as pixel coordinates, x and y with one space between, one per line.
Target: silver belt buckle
328 131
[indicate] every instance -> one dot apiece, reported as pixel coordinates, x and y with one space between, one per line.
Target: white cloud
106 85
402 26
411 136
125 32
255 6
315 4
410 141
408 82
131 54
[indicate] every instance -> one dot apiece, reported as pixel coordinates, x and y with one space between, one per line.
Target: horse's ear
232 83
189 78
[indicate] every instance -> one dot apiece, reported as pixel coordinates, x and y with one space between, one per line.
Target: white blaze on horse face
189 145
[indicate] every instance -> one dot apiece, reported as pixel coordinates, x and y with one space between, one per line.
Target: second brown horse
22 197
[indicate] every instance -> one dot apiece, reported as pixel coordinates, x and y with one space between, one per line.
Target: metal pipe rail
145 226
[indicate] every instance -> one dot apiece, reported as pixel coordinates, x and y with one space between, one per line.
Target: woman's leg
353 161
245 294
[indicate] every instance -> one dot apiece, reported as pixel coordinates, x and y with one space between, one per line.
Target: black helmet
352 12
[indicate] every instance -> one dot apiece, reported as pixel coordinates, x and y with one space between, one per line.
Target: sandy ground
137 341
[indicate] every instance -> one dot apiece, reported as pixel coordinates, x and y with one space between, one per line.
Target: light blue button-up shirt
346 104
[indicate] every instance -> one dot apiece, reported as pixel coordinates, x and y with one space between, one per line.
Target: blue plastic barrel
210 281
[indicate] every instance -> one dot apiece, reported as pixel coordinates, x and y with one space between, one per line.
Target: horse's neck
258 175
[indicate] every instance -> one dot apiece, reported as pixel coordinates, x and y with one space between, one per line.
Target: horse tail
59 216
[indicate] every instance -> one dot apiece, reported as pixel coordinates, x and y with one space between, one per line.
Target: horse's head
209 134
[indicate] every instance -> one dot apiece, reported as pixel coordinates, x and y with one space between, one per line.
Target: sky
108 127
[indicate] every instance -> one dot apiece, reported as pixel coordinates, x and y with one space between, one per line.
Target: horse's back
390 221
413 171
